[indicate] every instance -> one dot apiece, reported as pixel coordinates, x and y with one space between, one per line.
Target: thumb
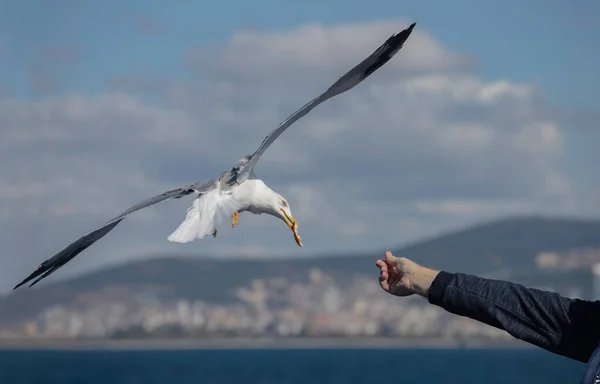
391 259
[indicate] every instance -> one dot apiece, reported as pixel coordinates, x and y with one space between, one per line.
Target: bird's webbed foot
234 219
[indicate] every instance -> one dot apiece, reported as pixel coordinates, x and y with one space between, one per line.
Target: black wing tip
46 269
40 271
18 285
403 35
75 248
22 283
397 40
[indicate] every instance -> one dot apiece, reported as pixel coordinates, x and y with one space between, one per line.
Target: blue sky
552 43
459 155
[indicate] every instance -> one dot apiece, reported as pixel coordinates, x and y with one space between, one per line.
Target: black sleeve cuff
438 288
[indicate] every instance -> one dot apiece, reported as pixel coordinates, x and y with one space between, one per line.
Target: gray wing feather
67 254
172 194
348 81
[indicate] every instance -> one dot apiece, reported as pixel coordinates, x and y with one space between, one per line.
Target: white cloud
422 146
473 207
316 47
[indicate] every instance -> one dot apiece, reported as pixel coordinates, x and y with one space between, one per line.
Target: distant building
596 281
547 260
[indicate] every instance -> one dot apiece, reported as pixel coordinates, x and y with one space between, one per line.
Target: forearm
564 326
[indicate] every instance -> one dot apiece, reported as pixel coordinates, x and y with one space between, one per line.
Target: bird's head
282 210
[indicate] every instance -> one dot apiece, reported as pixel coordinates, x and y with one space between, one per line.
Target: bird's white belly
249 195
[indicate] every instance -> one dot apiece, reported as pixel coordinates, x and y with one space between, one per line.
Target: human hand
400 276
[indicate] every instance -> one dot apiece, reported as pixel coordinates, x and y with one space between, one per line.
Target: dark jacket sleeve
568 327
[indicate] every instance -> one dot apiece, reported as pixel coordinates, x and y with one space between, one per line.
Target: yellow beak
293 225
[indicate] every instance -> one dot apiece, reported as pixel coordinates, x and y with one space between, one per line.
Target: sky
489 110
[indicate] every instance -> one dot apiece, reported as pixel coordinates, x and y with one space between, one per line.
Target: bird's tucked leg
235 218
214 233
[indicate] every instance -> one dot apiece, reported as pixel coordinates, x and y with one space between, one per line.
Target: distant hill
511 243
508 244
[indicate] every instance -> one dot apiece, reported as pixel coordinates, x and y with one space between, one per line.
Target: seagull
234 191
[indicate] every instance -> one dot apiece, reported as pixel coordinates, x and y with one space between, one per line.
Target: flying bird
234 191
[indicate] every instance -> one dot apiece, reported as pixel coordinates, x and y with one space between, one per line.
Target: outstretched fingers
381 264
383 274
389 276
390 258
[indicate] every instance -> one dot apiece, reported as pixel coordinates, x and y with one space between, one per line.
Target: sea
287 366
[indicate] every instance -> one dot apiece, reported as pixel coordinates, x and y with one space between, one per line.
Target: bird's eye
283 203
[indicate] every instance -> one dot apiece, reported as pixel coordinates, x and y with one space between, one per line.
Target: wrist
421 279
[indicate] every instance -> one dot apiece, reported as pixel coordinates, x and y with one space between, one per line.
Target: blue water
285 366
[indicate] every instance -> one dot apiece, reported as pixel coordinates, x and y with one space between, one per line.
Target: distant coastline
254 343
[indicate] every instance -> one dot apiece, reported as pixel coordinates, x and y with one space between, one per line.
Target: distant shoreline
256 343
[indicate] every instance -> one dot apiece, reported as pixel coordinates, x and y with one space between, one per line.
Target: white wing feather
204 215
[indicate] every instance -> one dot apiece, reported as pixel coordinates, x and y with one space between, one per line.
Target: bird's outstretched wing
348 81
61 258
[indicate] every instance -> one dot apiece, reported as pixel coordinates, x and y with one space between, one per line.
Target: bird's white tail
202 216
